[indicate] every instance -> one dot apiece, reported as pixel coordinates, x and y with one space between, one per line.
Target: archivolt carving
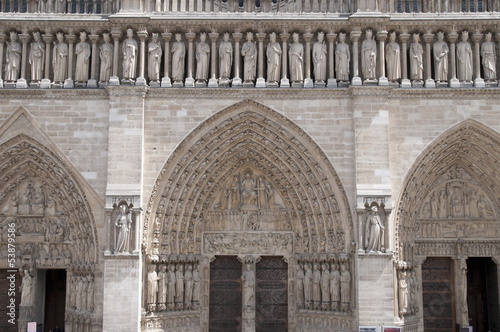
53 225
186 199
452 191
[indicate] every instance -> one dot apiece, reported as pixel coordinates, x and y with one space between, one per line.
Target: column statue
489 58
154 59
196 287
463 293
308 286
129 51
82 51
296 58
37 57
300 286
342 59
374 233
393 59
162 287
178 53
249 52
416 59
60 59
334 287
225 58
316 287
13 58
440 52
325 287
202 56
171 279
403 294
464 59
152 288
123 223
188 287
248 286
27 294
273 53
319 55
345 287
179 287
106 55
369 56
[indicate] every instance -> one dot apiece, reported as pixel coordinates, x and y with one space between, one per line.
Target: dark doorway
438 294
482 294
271 312
225 294
9 279
55 299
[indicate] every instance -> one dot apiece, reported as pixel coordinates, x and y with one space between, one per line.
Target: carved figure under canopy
325 286
202 56
392 58
342 59
299 277
179 287
308 285
13 58
106 56
36 57
82 51
162 287
249 52
374 234
178 52
129 51
273 59
60 59
416 59
345 287
123 223
188 286
489 58
225 57
248 194
296 57
316 286
248 286
440 52
369 56
154 59
319 54
464 59
334 286
27 295
171 280
403 294
152 287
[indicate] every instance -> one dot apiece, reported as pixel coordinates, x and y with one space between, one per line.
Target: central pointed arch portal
248 183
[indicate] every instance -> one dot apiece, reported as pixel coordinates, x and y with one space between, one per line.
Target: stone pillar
165 81
68 83
2 42
21 82
462 310
381 37
92 83
478 81
261 81
249 286
355 35
141 80
189 79
117 35
454 82
332 82
429 82
308 82
237 57
405 82
285 82
47 38
497 38
212 82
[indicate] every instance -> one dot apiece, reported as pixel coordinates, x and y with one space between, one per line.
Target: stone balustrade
456 58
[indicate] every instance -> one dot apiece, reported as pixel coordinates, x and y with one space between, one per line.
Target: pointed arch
465 156
248 135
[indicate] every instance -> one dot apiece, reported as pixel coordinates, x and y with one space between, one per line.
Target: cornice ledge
371 91
53 94
120 91
446 93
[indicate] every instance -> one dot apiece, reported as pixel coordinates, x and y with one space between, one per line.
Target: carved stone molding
264 243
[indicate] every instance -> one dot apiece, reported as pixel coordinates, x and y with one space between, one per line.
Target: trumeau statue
60 59
106 55
248 286
36 57
403 293
440 52
154 59
202 59
369 56
342 59
464 59
129 51
319 55
123 223
82 51
392 58
296 58
178 52
416 59
374 233
225 58
249 52
273 59
27 295
13 58
489 58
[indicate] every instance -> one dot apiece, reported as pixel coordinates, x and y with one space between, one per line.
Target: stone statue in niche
416 59
464 59
342 59
308 286
334 287
202 57
179 287
225 60
162 288
248 286
123 223
172 280
60 59
464 317
178 52
248 194
106 56
13 58
319 55
403 293
129 51
37 57
456 202
374 232
369 56
345 287
152 287
392 58
296 58
273 53
316 287
249 52
154 59
440 52
188 287
82 51
27 292
90 294
325 287
196 287
489 58
299 277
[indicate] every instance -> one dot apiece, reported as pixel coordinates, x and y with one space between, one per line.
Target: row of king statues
377 66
